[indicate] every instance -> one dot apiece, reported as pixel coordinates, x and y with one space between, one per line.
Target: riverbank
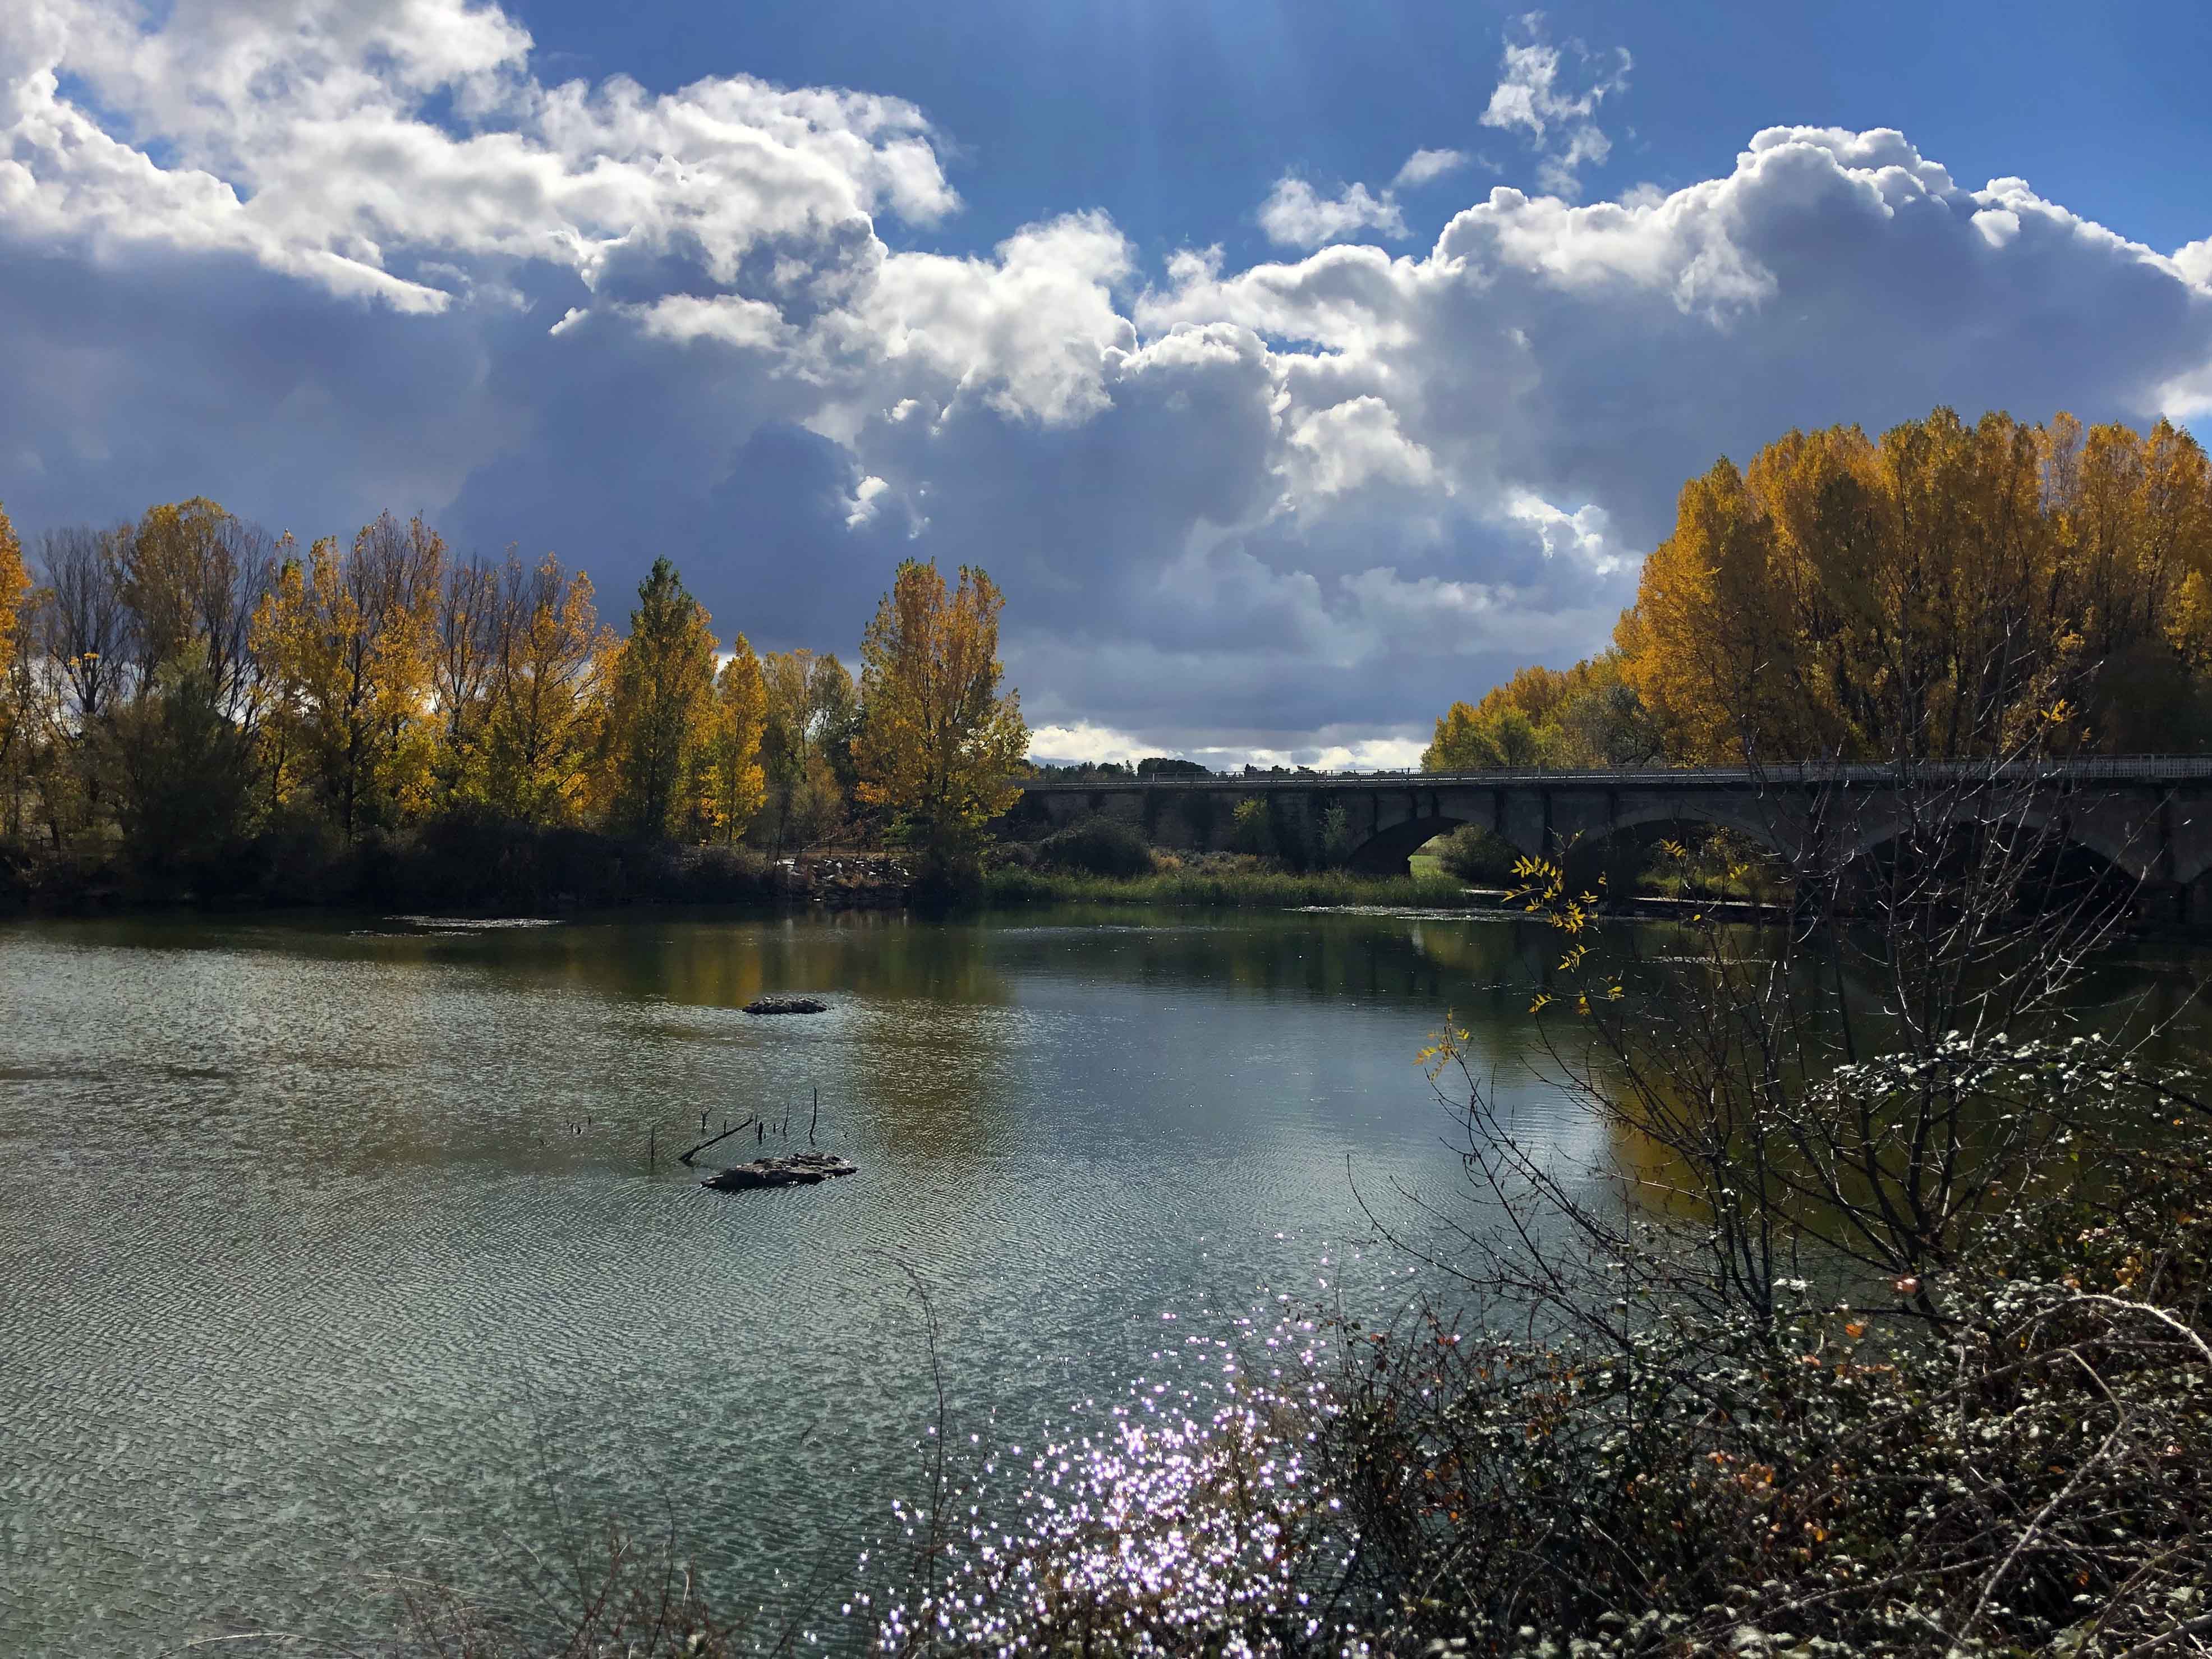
451 866
1012 887
473 868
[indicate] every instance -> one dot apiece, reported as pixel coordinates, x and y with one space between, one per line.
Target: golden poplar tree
191 576
468 638
547 697
940 745
19 686
1582 716
346 641
736 786
786 739
1486 737
661 711
1938 591
804 747
14 585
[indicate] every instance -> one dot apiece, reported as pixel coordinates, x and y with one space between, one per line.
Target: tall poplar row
1946 590
175 684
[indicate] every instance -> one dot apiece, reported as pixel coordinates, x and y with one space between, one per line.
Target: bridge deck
2098 768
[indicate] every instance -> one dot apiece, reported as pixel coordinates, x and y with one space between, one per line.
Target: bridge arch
1620 848
2132 860
1386 851
1723 814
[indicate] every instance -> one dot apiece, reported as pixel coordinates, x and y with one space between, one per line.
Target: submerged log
787 1005
799 1169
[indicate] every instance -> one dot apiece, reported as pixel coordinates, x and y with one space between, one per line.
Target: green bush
1099 847
1470 853
1250 830
1338 838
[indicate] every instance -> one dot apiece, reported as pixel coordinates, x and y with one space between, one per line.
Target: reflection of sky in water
324 1248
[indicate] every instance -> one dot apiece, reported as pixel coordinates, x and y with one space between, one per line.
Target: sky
1293 368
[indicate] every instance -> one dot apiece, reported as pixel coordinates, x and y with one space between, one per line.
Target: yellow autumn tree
940 745
1582 716
14 585
1936 592
468 638
785 740
811 703
191 576
661 711
19 686
735 786
1491 736
548 687
345 640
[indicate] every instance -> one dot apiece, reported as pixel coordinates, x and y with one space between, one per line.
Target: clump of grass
1013 886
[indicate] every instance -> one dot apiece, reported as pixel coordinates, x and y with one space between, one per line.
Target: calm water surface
328 1246
332 1249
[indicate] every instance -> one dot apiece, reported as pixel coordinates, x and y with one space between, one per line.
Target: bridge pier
2195 907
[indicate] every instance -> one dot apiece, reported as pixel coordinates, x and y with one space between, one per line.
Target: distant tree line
179 687
1152 766
1940 592
1164 766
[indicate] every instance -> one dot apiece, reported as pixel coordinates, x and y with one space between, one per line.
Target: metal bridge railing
2096 768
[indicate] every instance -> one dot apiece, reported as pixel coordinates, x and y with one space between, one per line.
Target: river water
332 1249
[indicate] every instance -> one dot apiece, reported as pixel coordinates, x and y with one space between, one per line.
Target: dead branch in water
685 1158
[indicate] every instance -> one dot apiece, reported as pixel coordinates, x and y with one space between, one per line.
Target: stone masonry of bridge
2149 816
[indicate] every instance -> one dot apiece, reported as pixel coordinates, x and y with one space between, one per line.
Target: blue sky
1175 116
1295 368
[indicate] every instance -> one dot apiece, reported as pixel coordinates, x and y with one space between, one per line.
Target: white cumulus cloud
1296 215
1552 97
1427 166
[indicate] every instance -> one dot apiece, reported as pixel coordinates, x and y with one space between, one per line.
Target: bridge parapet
2096 768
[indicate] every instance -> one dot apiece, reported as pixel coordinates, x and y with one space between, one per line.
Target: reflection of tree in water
913 1048
922 1016
725 963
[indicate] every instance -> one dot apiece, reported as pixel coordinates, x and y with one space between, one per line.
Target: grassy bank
457 863
1012 887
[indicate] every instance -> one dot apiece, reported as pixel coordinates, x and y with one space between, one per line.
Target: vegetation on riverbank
1225 884
192 710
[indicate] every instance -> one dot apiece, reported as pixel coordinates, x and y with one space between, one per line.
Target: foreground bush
2029 1475
1097 847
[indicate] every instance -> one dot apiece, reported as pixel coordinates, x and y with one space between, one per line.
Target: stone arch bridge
2149 816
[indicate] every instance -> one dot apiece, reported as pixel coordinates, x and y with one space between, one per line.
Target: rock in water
799 1169
780 1005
